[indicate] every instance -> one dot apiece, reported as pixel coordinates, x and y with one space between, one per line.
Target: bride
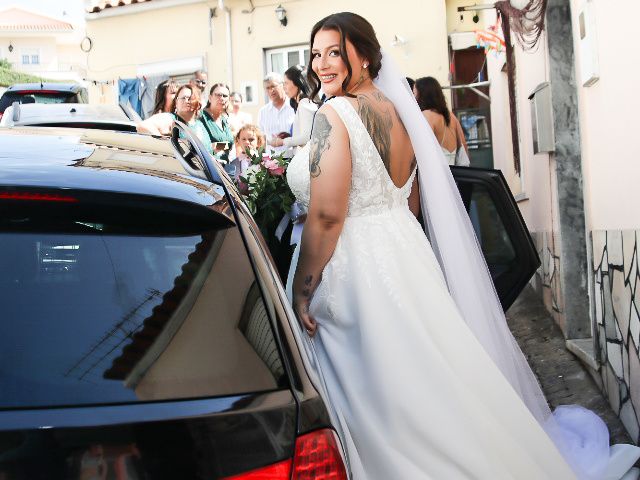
426 380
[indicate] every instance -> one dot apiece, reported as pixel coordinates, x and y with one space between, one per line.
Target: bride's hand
301 307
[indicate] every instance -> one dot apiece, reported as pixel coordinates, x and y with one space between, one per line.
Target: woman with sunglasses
215 120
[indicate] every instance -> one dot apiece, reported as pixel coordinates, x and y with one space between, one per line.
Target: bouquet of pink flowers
266 191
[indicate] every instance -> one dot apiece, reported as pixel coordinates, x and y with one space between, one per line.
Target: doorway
469 65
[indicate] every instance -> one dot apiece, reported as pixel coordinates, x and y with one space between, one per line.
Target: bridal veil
580 435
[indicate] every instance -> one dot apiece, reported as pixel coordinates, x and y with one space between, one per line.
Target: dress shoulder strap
339 104
444 131
203 121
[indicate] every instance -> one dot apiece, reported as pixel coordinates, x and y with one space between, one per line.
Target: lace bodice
371 187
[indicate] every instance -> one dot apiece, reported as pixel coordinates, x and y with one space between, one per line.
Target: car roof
99 160
46 113
62 87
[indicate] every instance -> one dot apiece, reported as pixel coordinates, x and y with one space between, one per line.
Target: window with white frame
249 92
30 56
280 59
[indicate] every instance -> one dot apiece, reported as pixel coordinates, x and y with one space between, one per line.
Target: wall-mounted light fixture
10 48
281 14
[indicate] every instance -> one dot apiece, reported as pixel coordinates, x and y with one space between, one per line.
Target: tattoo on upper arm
378 123
319 143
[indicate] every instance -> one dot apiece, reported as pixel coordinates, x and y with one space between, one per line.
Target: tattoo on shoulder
378 122
319 142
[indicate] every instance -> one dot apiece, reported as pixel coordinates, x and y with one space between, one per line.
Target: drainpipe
227 18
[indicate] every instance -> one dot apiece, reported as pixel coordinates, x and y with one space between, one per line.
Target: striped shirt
273 121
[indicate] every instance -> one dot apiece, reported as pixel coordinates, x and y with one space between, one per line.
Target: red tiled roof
16 19
95 6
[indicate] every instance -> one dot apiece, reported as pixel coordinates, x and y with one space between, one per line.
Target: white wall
533 187
609 120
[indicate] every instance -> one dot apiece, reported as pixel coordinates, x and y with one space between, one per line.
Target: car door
501 231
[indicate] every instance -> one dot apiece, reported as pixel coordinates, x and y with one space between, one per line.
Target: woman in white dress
297 89
444 124
414 383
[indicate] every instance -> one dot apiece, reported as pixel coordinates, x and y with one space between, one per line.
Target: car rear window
92 317
37 97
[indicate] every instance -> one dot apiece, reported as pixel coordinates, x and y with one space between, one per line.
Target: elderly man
276 117
199 80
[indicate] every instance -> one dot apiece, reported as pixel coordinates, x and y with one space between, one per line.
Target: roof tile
16 19
96 6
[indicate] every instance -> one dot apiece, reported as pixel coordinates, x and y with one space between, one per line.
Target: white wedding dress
416 394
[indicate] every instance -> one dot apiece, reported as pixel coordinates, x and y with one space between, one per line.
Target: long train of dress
417 395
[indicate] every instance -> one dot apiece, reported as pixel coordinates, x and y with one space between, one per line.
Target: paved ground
563 378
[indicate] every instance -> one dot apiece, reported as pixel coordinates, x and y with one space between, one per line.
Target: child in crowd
248 137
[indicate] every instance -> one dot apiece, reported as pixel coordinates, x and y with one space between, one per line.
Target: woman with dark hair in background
411 82
297 89
445 125
165 93
215 121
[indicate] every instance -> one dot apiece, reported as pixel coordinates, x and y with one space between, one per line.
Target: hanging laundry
491 39
148 87
129 92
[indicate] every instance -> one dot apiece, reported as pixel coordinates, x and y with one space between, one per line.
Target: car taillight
38 197
317 457
277 471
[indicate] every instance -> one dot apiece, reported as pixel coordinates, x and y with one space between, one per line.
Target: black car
145 332
43 93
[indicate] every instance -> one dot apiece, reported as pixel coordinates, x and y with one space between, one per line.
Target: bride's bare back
387 132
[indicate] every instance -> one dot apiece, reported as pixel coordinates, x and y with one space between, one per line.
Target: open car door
502 234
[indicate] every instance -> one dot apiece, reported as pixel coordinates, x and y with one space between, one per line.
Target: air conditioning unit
542 119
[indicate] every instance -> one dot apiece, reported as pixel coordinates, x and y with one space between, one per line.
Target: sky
71 11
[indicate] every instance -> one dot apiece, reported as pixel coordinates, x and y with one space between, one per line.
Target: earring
365 65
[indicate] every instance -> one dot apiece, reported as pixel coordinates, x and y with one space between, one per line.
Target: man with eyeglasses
275 119
199 80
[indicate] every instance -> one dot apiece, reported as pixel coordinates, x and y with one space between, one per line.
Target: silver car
76 115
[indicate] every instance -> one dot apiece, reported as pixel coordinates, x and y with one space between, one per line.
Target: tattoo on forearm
307 285
378 123
319 143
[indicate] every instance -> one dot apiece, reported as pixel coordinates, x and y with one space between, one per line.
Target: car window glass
94 318
490 230
55 97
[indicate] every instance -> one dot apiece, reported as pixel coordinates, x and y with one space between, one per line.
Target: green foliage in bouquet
266 191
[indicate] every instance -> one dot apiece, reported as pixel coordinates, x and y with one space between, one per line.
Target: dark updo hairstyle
430 97
296 75
360 33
